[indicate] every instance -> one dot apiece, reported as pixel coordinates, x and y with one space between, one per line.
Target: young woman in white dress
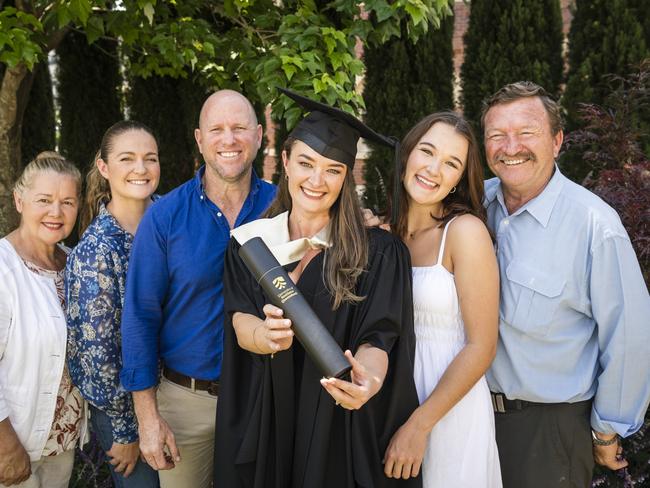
450 436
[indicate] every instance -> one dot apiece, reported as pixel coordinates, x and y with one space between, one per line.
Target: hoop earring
453 190
286 177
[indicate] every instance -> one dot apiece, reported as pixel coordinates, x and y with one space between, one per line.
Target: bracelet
254 341
597 441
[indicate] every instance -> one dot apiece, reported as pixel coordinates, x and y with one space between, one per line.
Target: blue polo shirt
173 305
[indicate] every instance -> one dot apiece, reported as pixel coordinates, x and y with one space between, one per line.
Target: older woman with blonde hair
40 409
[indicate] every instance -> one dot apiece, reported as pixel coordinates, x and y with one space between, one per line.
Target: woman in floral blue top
119 187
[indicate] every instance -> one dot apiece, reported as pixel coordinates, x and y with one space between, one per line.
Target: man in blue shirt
173 310
571 370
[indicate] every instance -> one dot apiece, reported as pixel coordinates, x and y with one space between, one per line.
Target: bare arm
155 434
477 278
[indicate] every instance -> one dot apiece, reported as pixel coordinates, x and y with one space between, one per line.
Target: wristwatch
597 441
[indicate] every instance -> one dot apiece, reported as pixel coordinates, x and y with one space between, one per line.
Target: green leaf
149 11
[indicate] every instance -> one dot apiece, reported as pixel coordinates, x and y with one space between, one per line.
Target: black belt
212 387
501 404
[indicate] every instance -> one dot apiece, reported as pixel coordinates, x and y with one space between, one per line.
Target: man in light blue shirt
571 369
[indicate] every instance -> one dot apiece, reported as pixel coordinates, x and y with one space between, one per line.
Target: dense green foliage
404 82
509 41
89 94
170 107
38 125
606 37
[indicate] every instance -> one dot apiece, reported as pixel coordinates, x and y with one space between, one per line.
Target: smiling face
132 167
520 146
48 206
314 181
435 166
228 135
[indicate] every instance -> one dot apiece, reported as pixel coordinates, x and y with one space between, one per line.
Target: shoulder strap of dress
444 239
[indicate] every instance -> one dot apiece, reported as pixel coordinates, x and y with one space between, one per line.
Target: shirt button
218 214
201 197
506 222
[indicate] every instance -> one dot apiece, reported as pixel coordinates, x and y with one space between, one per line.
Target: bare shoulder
468 234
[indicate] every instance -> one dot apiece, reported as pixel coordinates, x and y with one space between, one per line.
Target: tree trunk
14 93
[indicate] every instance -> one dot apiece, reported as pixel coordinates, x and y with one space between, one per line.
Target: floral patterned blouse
95 278
69 403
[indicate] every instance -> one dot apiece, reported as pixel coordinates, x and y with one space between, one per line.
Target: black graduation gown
276 425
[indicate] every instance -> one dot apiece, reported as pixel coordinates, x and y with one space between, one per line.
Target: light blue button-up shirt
575 311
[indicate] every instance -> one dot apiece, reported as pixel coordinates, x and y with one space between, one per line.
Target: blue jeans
142 476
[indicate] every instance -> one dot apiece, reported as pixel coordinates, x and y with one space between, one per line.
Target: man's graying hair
525 89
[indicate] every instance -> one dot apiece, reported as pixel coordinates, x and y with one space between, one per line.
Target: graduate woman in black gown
279 423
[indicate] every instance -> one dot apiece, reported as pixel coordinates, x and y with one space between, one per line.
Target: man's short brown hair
524 89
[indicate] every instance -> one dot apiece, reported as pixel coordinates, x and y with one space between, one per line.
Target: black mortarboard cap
334 134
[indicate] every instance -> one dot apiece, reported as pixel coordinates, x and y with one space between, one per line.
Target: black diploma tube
281 290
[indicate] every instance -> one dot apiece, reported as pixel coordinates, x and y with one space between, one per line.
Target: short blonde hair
46 161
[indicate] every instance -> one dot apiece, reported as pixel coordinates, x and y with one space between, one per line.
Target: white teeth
426 182
138 182
313 193
52 226
229 154
513 162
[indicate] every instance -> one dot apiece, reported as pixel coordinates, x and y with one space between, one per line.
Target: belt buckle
193 385
497 402
213 388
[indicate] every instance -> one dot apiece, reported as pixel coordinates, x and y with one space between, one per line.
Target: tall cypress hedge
89 93
39 131
170 106
404 82
509 41
606 37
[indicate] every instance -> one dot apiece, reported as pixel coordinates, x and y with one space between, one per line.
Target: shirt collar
542 205
107 222
198 178
539 207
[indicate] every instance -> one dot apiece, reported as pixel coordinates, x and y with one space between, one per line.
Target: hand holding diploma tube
283 293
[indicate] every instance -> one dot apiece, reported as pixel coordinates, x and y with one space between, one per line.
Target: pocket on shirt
537 295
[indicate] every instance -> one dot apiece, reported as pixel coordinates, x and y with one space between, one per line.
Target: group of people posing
496 331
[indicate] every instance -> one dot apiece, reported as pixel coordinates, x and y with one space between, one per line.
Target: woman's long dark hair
468 197
348 257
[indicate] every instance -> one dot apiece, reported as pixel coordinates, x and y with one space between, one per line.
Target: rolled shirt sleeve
142 317
621 308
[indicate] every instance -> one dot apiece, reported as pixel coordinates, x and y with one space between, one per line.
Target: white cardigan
32 350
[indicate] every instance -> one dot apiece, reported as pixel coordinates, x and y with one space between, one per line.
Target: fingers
272 312
173 449
129 469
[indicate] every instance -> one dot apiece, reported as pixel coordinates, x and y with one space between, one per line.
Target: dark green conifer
170 107
404 82
606 37
89 94
509 41
39 131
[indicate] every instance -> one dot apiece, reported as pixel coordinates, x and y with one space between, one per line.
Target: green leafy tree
509 41
39 130
417 81
89 93
265 45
